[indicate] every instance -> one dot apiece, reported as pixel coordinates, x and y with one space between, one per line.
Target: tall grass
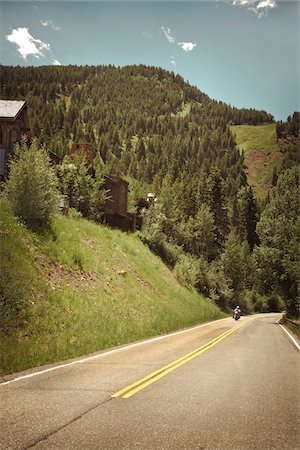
86 288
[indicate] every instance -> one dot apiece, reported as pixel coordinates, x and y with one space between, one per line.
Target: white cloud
187 46
147 35
49 23
167 33
259 7
265 5
55 62
172 60
27 44
243 2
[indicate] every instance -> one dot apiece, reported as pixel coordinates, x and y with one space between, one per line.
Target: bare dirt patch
255 160
57 274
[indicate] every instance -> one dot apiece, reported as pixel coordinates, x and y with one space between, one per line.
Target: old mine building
115 206
14 124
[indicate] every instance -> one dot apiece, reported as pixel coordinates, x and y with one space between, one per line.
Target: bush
293 308
219 290
186 271
74 214
260 303
154 236
168 252
265 303
246 302
83 191
191 272
32 186
275 303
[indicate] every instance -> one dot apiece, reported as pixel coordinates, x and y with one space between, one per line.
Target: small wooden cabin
83 148
115 207
14 124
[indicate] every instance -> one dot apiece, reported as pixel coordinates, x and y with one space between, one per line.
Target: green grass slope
262 154
82 288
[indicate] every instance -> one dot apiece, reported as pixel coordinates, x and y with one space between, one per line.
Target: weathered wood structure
115 207
83 148
14 124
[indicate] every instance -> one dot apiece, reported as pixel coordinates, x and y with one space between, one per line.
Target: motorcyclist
237 310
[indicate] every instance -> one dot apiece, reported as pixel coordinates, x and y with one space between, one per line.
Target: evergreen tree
248 216
32 186
217 203
235 264
278 230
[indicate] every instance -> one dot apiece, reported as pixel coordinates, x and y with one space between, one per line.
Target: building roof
9 109
115 179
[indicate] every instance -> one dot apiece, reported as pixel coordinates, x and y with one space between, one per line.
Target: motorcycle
236 315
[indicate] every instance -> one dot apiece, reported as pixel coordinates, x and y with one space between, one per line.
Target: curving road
222 385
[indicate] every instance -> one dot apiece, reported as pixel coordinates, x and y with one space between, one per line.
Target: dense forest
167 137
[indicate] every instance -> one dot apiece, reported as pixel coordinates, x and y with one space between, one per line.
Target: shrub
275 303
293 308
74 214
154 236
260 303
32 186
168 252
265 303
246 302
186 271
191 272
83 191
219 289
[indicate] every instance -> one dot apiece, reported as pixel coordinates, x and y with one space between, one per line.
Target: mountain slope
262 154
144 122
82 288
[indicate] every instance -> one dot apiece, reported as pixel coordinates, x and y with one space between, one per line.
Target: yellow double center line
133 388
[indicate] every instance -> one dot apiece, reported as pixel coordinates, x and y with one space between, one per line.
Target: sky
242 52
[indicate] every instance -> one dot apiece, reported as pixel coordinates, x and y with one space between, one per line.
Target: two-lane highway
221 385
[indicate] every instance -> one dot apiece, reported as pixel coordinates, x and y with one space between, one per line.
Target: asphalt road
223 388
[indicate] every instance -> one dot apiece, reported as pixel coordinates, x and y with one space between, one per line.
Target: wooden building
115 207
83 148
14 124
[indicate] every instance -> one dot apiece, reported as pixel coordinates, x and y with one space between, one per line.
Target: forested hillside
130 115
151 126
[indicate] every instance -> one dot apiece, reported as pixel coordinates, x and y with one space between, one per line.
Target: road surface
222 385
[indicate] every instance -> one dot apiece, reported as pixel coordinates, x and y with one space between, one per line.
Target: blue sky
243 52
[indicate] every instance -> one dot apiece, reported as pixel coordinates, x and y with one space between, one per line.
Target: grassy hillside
82 288
262 154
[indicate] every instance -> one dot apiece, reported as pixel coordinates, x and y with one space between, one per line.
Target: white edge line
289 335
104 353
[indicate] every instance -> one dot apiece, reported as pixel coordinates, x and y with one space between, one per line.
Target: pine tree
32 186
248 216
217 203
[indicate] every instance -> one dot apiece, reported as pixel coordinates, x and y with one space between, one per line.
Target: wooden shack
14 124
115 207
85 149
